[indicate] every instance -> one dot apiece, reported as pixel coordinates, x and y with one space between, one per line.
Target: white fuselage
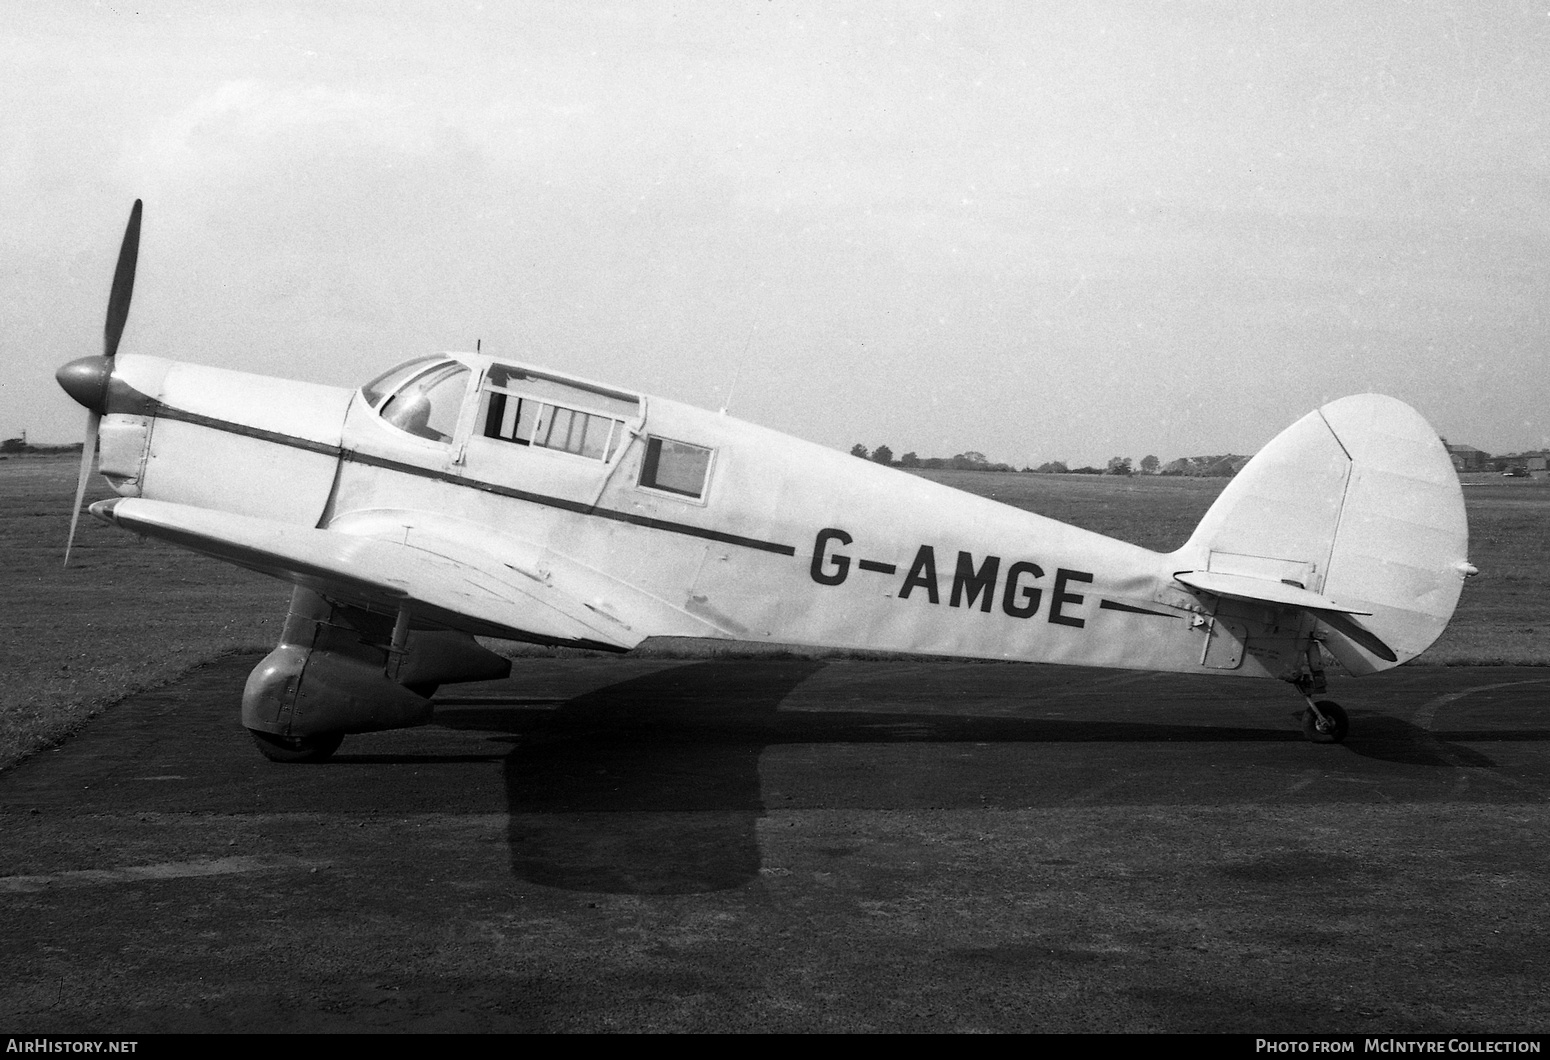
683 522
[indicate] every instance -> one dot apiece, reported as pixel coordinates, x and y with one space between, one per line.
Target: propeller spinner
86 379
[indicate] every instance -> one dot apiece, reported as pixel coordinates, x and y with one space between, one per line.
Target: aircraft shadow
652 785
1390 739
648 786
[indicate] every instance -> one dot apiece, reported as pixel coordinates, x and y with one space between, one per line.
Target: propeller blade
88 450
123 285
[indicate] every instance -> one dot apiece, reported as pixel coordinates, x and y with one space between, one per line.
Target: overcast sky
1038 230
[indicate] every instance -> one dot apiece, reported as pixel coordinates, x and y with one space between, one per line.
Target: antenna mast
738 371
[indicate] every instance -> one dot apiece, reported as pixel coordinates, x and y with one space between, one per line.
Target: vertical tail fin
1358 503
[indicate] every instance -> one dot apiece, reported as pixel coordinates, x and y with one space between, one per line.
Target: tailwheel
314 748
1325 722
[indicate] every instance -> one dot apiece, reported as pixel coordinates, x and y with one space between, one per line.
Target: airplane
467 495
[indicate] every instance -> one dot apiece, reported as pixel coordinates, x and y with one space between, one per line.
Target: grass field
130 614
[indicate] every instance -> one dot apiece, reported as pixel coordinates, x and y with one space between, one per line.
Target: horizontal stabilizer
1282 594
1263 590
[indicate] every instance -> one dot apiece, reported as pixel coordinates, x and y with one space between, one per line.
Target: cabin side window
503 417
521 417
675 467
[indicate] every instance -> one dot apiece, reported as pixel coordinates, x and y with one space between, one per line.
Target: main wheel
1332 728
314 748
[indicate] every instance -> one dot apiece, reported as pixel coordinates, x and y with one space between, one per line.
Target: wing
521 594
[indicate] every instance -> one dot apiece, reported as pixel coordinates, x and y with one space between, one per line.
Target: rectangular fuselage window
675 467
528 421
503 419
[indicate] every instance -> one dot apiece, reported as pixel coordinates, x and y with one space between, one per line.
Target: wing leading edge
472 592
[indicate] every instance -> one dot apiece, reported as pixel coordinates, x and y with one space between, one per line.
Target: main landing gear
313 748
1325 720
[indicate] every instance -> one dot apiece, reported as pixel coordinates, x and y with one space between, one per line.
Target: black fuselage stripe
1110 605
560 503
168 412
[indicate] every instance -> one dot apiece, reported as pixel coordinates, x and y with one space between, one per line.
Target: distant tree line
1224 465
20 446
970 461
1194 466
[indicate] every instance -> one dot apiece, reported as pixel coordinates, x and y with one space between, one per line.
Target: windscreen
390 380
427 406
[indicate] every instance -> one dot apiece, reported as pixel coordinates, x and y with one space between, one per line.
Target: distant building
1532 463
1468 458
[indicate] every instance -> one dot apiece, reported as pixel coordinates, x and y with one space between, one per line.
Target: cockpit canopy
422 397
524 406
528 409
